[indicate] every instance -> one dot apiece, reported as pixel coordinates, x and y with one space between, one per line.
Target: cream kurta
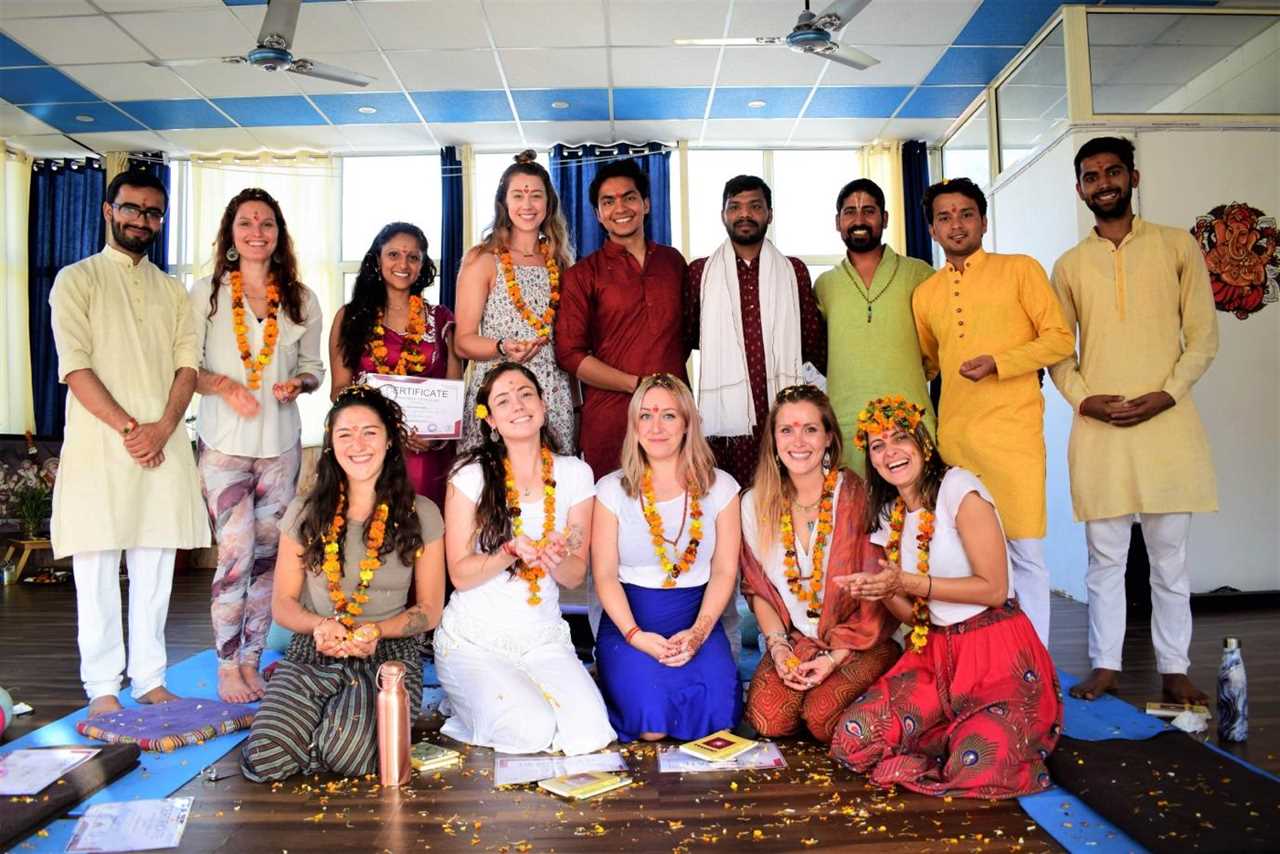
1001 306
1147 323
131 325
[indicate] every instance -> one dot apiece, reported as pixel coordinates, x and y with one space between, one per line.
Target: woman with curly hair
390 328
348 551
972 708
258 331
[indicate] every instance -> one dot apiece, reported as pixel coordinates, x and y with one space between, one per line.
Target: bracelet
502 351
929 593
631 633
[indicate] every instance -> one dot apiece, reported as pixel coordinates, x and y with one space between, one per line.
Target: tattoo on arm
418 621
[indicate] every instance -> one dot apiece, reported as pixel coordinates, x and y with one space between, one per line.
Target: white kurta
131 325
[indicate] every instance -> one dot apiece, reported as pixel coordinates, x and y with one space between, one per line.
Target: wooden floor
811 805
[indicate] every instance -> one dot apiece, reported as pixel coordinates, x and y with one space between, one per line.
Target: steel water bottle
1233 694
393 725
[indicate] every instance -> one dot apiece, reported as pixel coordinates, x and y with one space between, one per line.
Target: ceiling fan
813 35
272 53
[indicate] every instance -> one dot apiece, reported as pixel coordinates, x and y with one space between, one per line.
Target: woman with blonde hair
664 556
509 294
801 527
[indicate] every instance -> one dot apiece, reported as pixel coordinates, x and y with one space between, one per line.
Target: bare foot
159 694
1179 689
253 681
231 685
1100 681
104 705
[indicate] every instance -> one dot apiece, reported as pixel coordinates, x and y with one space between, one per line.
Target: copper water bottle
393 725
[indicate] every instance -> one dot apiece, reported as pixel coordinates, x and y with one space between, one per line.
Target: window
967 153
379 190
804 206
708 172
1032 103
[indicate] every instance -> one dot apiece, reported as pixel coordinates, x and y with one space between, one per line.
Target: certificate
432 407
131 826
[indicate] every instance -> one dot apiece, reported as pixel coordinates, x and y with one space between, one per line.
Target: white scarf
724 383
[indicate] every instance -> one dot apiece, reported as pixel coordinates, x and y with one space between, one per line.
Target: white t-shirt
776 571
637 560
946 553
500 605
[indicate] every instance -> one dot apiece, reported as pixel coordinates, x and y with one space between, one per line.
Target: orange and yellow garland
532 574
254 365
411 360
813 596
541 325
346 611
650 507
893 551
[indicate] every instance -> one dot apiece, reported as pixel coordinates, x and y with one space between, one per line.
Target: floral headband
884 414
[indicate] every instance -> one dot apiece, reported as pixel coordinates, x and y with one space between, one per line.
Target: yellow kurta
1147 323
131 325
1001 306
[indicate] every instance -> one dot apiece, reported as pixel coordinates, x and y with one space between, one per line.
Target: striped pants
320 713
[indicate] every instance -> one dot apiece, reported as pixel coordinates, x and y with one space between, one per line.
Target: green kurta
868 358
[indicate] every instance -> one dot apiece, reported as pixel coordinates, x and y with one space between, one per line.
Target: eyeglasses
132 211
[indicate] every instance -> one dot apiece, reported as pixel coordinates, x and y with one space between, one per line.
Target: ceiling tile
446 69
46 145
551 23
768 66
501 136
933 102
577 105
192 34
176 115
322 27
365 62
390 107
842 102
540 69
447 107
143 140
130 81
639 22
225 80
45 8
300 138
78 39
765 17
379 138
899 66
668 131
13 55
663 66
755 132
660 103
970 65
839 131
210 141
154 5
41 85
547 134
1006 22
270 111
779 102
15 121
424 24
909 22
929 130
100 116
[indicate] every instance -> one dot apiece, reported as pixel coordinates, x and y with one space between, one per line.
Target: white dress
512 679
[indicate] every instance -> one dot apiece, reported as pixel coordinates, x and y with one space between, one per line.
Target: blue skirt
643 695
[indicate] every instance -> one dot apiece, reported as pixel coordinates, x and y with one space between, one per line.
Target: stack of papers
578 787
674 760
426 756
515 770
719 746
27 772
131 826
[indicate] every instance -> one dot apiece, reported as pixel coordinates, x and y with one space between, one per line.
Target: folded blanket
165 727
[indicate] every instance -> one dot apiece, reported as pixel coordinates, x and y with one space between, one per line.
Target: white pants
1166 537
1031 583
101 633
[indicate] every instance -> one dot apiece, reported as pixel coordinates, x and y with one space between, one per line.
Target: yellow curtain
307 188
17 414
115 162
881 161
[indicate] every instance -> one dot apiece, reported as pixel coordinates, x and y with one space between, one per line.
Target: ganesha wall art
1243 255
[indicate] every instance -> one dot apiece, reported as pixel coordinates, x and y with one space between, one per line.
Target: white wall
1184 173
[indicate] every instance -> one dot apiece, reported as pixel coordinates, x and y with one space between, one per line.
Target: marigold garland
540 325
812 598
532 574
347 610
893 551
254 365
412 360
650 507
885 414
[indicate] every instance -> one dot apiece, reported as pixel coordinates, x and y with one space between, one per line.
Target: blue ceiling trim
63 117
674 103
973 66
584 105
1006 22
938 102
270 111
856 102
13 54
780 102
344 109
41 86
482 105
176 115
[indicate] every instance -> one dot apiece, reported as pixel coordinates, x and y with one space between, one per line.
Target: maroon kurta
631 319
738 454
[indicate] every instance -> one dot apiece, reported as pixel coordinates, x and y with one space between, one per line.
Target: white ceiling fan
272 53
813 35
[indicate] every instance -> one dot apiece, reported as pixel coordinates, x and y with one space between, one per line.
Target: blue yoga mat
1104 718
1074 825
59 834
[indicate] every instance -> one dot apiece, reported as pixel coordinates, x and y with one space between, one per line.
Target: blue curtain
152 162
915 180
573 167
451 248
65 224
